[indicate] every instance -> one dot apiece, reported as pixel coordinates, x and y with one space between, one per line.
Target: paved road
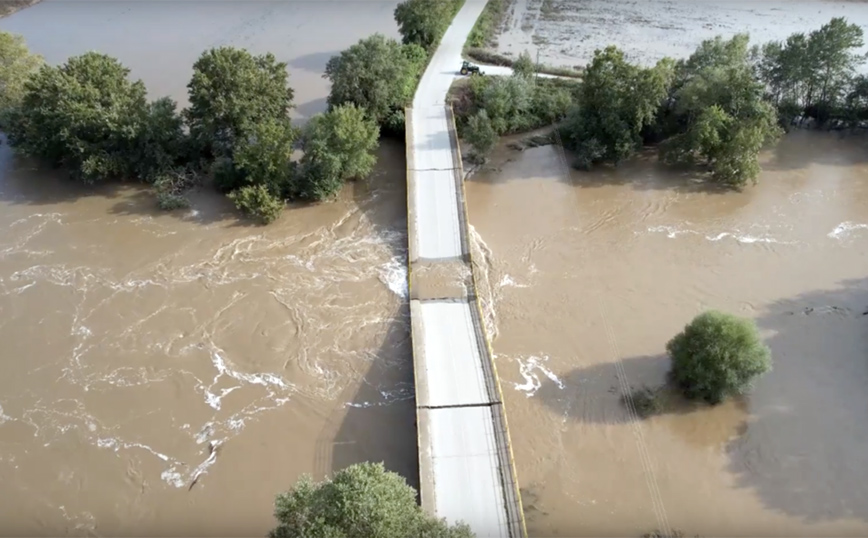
464 463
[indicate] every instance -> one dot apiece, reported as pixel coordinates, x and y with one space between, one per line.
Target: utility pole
537 63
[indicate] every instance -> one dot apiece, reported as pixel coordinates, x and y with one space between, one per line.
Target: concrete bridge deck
465 460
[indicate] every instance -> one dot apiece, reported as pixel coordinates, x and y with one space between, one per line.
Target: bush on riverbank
362 500
423 22
513 104
717 356
379 75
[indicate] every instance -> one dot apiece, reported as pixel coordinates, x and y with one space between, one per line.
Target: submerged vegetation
363 500
88 117
714 111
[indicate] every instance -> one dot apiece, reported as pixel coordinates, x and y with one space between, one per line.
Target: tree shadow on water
382 197
644 172
804 449
378 421
315 62
801 148
597 395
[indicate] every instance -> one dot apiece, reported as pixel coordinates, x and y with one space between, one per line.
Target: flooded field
592 273
566 32
167 374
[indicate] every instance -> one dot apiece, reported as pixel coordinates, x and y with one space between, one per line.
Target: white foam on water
508 281
672 232
394 275
531 368
845 228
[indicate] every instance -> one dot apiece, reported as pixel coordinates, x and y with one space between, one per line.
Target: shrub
717 356
257 202
480 134
524 66
85 115
168 201
232 91
338 145
170 185
508 101
363 500
379 75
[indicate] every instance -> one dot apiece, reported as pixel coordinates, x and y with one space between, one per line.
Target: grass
488 23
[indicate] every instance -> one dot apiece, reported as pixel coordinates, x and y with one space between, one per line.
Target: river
592 273
167 374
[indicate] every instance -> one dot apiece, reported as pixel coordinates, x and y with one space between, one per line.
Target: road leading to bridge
465 459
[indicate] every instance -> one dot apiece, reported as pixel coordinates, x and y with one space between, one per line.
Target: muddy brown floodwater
589 275
167 374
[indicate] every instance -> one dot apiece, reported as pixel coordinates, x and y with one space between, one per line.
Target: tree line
715 109
90 118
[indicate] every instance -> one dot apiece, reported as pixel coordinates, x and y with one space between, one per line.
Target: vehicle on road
468 68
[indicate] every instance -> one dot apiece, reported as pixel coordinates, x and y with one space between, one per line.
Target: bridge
465 458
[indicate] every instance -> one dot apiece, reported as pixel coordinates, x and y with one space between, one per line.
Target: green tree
717 355
161 144
264 157
361 501
423 22
85 115
480 133
832 52
230 92
724 117
617 100
17 65
379 75
524 65
258 202
812 73
338 146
